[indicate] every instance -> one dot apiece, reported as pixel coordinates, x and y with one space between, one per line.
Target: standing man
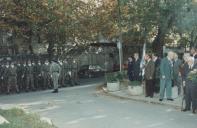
64 73
46 74
2 67
20 73
23 68
29 77
136 67
55 70
156 80
37 74
5 77
74 74
149 75
130 68
166 74
12 80
190 88
176 73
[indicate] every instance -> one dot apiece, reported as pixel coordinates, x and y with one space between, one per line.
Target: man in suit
176 73
190 88
156 80
149 75
130 68
136 67
166 76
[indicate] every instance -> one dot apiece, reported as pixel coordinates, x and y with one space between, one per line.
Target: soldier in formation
45 69
74 74
20 76
12 78
29 77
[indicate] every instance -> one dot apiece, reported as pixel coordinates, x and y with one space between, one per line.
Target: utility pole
120 37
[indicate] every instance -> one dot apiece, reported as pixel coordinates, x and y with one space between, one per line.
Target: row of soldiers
34 75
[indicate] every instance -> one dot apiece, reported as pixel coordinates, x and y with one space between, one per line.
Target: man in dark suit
166 76
190 88
136 67
156 79
149 75
176 73
130 68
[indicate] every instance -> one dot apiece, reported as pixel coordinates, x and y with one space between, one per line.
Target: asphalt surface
86 107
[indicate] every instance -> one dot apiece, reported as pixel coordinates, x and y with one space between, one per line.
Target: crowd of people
161 74
34 75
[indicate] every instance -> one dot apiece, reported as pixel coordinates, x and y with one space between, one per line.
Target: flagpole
142 63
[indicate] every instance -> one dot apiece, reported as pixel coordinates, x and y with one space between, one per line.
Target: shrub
19 119
111 77
114 76
135 83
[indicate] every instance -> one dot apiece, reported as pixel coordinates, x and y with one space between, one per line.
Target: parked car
90 71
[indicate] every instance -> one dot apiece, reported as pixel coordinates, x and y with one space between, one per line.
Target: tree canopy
82 21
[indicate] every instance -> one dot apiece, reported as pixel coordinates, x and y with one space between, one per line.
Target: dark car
90 71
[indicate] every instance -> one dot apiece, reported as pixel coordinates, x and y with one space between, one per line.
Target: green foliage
19 119
111 77
135 83
82 21
114 76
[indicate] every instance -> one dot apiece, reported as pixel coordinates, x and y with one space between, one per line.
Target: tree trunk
158 43
51 45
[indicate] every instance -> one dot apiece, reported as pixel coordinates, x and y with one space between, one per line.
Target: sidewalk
124 94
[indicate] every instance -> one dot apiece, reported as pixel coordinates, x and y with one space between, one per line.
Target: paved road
86 107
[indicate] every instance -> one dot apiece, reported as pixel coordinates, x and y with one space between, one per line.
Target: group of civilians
161 74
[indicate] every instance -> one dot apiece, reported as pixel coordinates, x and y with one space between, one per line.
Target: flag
142 63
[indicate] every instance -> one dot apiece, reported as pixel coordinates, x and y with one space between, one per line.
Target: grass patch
19 119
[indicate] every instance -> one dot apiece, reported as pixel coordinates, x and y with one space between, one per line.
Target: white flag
142 60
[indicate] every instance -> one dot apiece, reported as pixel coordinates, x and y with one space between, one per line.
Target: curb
139 100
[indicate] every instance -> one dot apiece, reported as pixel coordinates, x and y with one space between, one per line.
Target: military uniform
20 74
37 75
29 78
74 76
46 75
69 73
1 78
5 78
12 80
61 76
55 70
64 73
